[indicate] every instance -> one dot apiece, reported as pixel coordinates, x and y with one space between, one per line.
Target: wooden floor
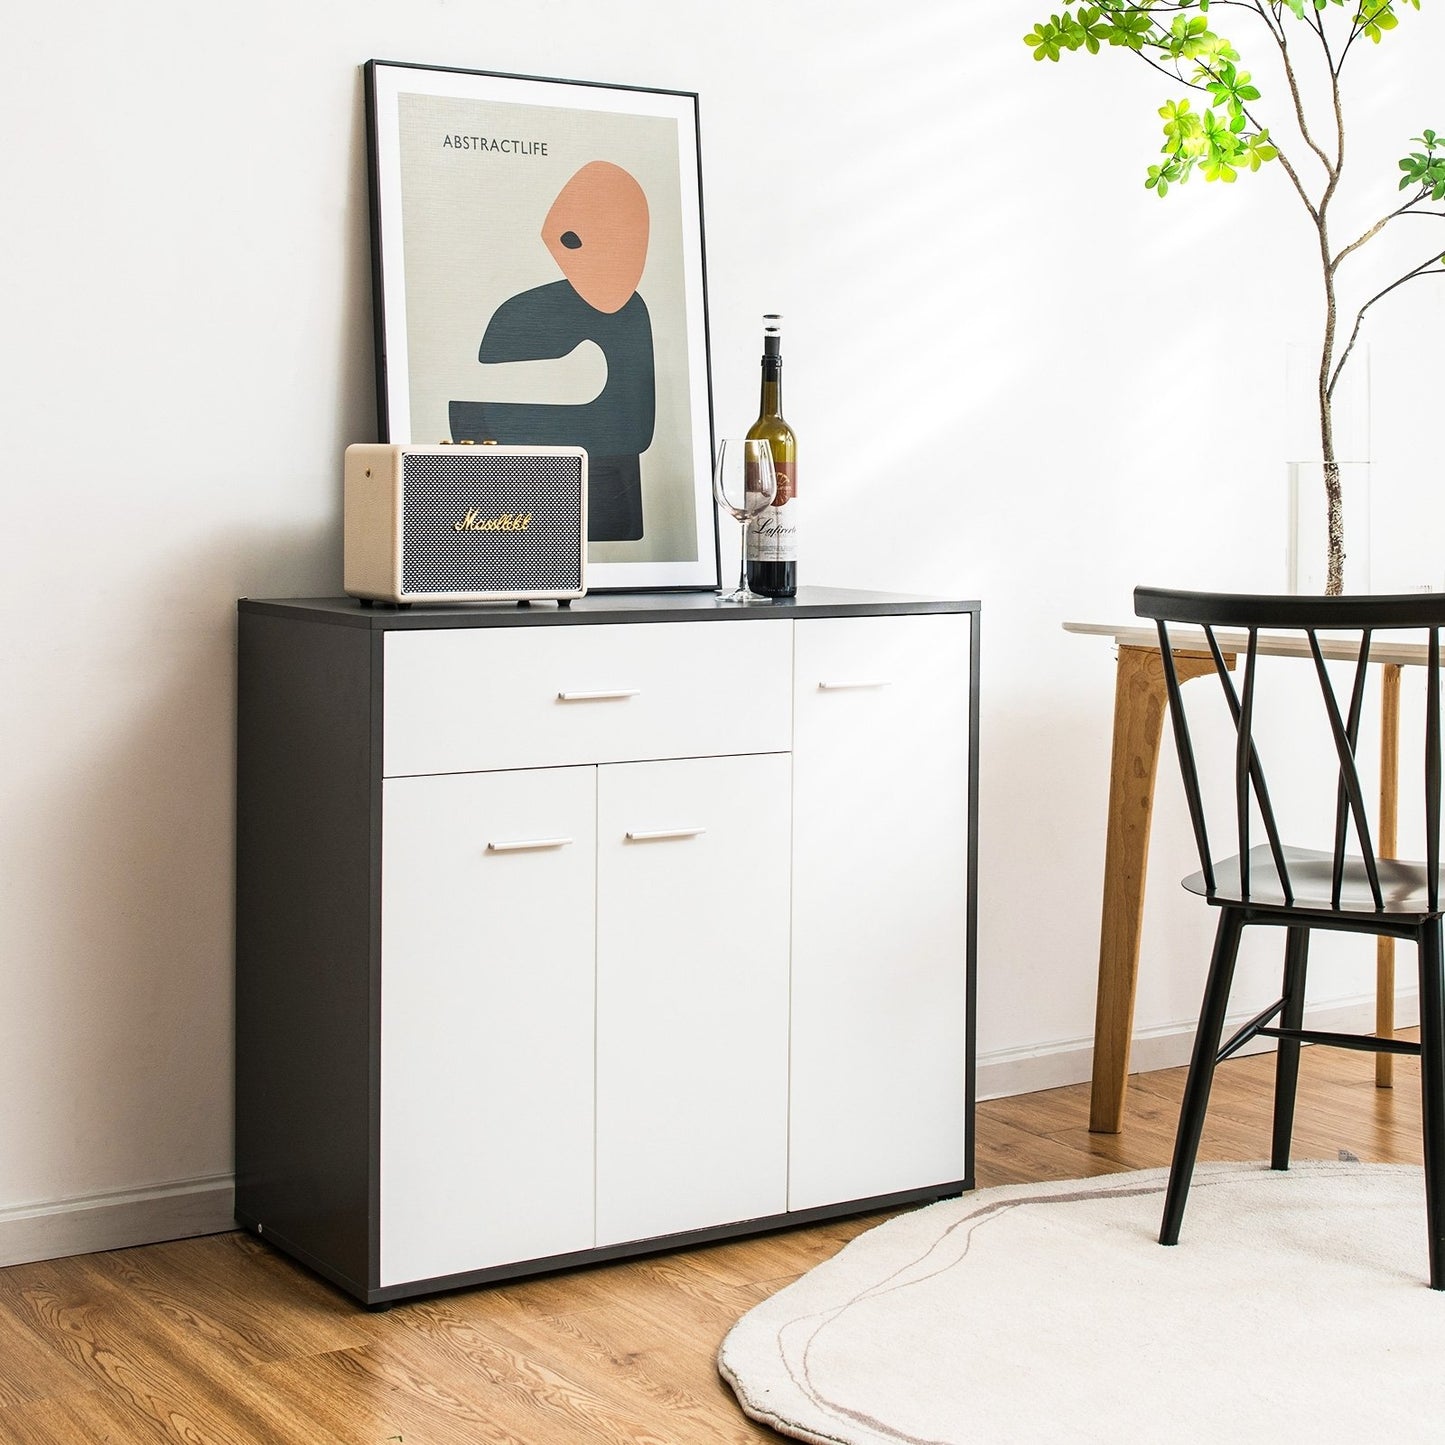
221 1340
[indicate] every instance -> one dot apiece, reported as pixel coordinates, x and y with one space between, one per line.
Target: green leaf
1183 130
1132 29
1426 168
1220 148
1375 17
1045 39
1192 38
1172 172
1231 87
1050 38
1258 151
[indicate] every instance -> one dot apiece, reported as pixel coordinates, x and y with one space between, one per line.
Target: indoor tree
1219 131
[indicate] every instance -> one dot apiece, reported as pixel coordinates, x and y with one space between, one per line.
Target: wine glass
744 483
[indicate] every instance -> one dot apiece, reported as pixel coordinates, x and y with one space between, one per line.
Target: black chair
1342 887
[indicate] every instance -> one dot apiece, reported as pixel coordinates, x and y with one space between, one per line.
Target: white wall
1008 363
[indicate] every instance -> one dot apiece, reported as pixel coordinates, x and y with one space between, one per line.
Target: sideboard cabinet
571 933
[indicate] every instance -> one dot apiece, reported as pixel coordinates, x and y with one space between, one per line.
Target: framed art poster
537 256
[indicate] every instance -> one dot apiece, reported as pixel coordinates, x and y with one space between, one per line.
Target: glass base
744 593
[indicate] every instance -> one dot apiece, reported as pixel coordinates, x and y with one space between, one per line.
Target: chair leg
1432 1091
1201 1070
1286 1061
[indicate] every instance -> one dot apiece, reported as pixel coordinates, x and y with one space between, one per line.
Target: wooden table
1139 707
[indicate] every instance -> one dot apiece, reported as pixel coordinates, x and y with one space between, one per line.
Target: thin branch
1304 195
1405 210
1253 6
1337 104
1316 212
1299 106
1357 28
1431 266
1317 22
1272 17
1159 40
1175 75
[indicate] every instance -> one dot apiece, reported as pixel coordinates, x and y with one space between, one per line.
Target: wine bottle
772 540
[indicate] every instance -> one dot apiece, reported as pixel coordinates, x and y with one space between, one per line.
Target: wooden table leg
1386 848
1139 706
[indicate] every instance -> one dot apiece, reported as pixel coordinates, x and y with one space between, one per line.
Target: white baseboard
188 1207
117 1220
1071 1061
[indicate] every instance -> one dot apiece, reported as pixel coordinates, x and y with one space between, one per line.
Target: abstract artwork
537 251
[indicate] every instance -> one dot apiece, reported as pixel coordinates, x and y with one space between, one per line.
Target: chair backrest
1348 626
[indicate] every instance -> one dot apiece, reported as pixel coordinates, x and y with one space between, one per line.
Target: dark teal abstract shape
616 427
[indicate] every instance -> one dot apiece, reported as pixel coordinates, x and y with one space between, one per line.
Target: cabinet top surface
600 607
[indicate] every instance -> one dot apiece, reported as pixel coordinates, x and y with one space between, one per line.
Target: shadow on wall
115 1046
357 404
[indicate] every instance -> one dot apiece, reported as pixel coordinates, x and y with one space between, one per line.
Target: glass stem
743 557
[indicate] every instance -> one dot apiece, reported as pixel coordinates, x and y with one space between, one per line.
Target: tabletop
1135 634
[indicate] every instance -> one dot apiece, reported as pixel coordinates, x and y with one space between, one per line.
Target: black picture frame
539 278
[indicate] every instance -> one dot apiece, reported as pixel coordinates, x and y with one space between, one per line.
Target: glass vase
1309 530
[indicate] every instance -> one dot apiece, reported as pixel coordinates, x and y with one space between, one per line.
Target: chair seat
1404 886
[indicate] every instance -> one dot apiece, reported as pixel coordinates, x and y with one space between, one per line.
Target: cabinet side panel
306 803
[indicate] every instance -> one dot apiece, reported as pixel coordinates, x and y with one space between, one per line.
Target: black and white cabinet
564 934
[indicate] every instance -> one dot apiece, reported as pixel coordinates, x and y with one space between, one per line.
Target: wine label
773 537
787 473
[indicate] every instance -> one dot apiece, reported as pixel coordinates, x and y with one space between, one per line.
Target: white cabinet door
879 906
692 993
487 1015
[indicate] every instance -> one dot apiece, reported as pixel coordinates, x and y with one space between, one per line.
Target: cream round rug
1295 1308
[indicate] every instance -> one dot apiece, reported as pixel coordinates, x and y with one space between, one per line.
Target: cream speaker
464 523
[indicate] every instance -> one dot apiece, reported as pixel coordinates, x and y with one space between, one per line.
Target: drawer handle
849 686
523 845
658 835
606 695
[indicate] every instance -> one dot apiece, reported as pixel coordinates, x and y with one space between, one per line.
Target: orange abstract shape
597 232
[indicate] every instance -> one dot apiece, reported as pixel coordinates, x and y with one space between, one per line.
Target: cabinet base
524 1269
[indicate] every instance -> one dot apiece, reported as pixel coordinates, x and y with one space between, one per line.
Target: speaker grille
440 491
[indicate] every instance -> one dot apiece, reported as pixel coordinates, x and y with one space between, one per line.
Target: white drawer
523 697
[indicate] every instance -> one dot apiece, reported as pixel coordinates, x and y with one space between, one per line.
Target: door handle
524 845
658 835
604 695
